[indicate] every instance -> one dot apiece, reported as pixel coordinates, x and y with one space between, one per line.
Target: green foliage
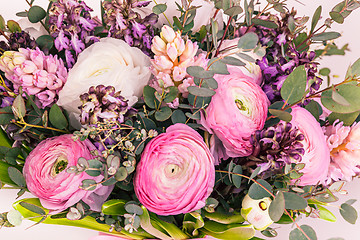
17 177
349 92
13 26
57 118
293 88
45 42
18 107
114 207
296 234
257 192
248 41
36 14
264 23
315 18
159 8
349 213
277 207
294 202
228 231
325 36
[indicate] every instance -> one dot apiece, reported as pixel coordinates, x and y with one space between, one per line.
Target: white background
338 65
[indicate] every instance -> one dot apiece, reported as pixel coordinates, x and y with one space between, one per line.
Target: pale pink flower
173 55
316 156
47 179
36 73
236 111
176 172
344 144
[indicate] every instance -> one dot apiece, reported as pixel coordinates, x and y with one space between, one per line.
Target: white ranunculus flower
256 212
110 62
203 14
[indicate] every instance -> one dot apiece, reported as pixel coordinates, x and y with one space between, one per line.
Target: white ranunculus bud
256 212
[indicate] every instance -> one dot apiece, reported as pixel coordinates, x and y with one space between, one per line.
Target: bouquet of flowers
176 119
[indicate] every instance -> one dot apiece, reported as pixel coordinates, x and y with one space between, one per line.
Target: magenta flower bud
176 172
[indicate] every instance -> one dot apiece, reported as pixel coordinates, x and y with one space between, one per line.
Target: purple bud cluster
102 104
282 56
18 40
126 24
278 145
6 99
72 27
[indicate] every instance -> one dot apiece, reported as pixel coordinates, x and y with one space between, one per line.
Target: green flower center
241 106
59 166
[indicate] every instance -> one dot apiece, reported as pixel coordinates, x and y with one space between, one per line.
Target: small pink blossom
344 144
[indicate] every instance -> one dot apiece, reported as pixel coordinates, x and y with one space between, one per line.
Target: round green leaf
235 178
200 91
296 234
277 207
13 26
199 72
337 17
121 174
133 208
159 8
18 107
163 114
349 213
36 14
294 201
57 118
149 97
282 115
248 41
257 192
16 176
233 11
294 86
349 92
45 42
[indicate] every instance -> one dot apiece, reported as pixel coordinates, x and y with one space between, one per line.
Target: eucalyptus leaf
219 67
178 116
232 61
18 107
159 8
254 173
348 91
296 234
16 176
248 41
314 108
349 213
257 192
33 208
121 174
199 72
293 88
13 26
246 57
200 91
282 115
57 117
163 114
354 70
36 14
233 11
89 184
294 201
2 23
171 94
133 208
337 17
339 99
235 178
315 18
45 42
347 118
149 97
277 207
325 36
264 23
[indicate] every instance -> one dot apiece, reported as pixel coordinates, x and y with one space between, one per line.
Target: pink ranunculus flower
236 111
46 176
317 155
176 172
344 145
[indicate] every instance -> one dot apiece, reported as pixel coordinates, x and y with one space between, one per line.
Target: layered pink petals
176 173
316 156
344 145
237 110
46 177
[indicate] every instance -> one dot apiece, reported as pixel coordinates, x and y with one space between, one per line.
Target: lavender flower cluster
72 28
127 24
